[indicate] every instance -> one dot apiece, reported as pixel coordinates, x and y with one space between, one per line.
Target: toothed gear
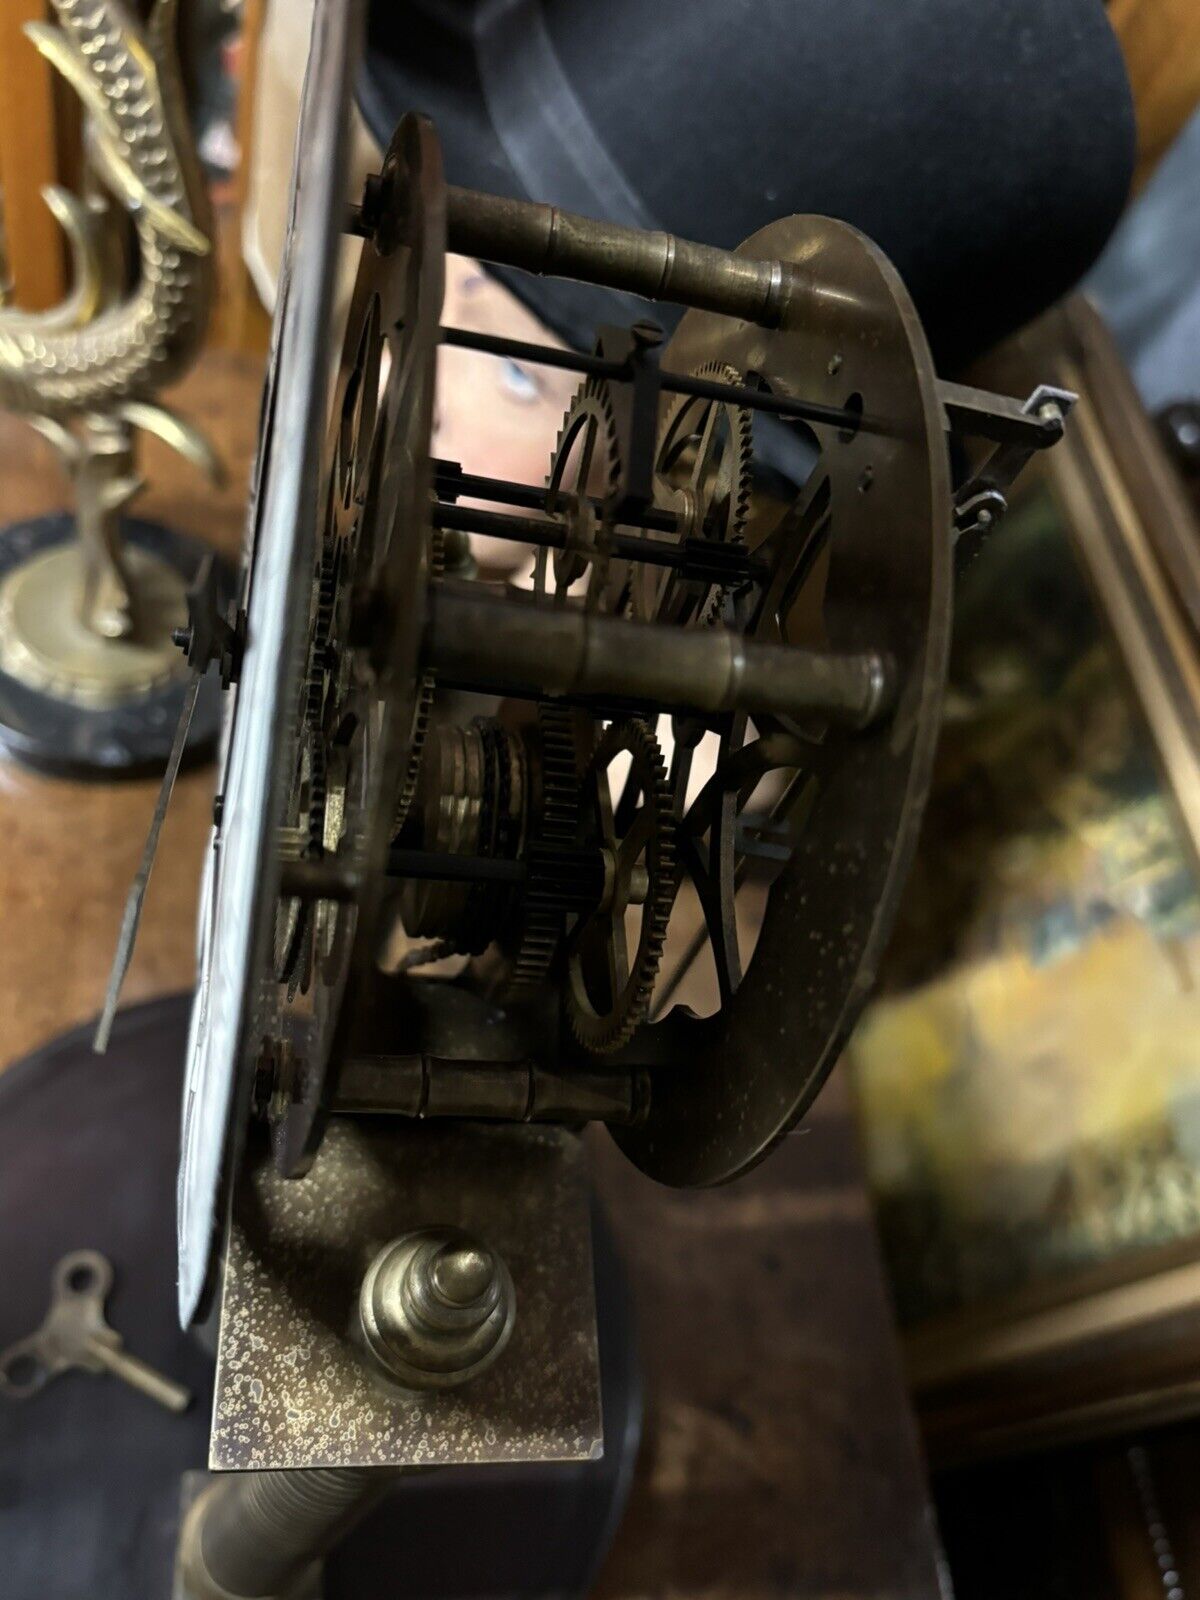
423 709
601 1020
595 476
307 800
317 793
306 809
717 506
327 591
542 915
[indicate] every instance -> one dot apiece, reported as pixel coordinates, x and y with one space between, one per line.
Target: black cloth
986 145
89 1469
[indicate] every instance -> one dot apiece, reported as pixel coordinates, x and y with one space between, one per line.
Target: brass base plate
292 1389
45 645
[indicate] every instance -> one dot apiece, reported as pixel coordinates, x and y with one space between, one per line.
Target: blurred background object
1029 1080
1160 44
1031 1077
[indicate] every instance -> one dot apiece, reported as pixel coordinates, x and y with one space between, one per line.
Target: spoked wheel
613 951
859 558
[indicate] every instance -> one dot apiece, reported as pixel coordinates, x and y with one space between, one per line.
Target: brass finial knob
462 1273
436 1308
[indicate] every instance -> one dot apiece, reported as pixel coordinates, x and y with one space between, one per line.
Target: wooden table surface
68 851
780 1455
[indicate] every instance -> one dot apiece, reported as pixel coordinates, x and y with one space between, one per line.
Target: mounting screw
647 334
1050 413
436 1308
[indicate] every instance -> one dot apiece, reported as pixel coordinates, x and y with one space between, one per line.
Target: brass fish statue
83 372
83 354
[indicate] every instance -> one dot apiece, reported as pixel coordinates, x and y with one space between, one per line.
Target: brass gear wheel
608 989
293 918
542 916
423 709
305 809
585 468
703 471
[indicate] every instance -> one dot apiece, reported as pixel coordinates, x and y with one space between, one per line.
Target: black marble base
128 740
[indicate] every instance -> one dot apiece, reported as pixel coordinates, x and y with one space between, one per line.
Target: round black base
90 1470
127 740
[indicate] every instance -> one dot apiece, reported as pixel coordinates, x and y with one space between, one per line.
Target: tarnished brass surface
292 1390
886 585
45 644
98 455
544 239
75 1335
436 1309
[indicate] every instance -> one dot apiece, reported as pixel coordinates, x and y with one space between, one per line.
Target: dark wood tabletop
780 1455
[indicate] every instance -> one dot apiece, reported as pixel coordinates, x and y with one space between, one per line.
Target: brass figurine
88 621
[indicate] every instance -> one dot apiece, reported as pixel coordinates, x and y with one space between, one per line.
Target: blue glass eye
519 383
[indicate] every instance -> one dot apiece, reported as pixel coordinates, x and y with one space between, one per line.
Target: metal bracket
214 633
982 500
635 409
